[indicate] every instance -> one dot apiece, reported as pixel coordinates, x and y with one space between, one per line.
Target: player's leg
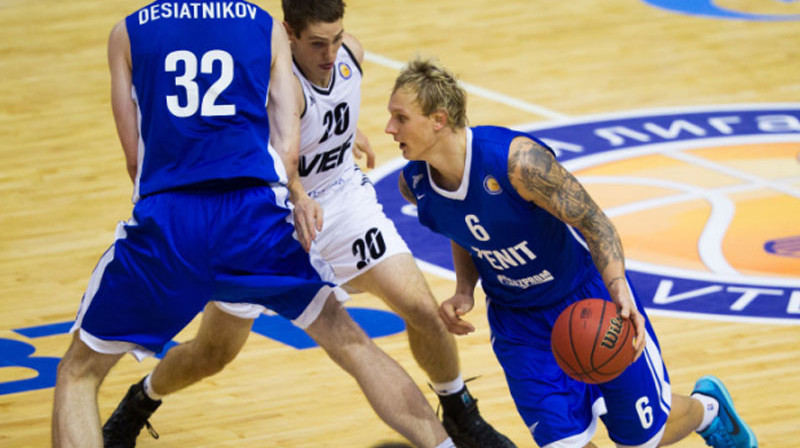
637 402
262 263
388 388
710 412
642 394
368 254
223 331
399 282
140 295
218 340
634 412
557 410
76 419
684 418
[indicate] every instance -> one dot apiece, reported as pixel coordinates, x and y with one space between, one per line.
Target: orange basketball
591 342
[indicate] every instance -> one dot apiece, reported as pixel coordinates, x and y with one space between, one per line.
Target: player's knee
78 366
424 320
337 333
215 358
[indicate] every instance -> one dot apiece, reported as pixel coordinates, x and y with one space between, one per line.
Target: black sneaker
125 423
469 430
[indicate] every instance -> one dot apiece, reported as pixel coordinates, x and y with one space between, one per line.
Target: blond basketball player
509 209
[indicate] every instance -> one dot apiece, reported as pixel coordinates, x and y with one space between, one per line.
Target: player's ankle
710 410
453 404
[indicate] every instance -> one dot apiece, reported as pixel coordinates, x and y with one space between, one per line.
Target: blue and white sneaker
727 430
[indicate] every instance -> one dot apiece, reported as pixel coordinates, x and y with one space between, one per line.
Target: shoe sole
729 404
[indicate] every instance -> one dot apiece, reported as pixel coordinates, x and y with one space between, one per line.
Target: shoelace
131 423
439 406
150 429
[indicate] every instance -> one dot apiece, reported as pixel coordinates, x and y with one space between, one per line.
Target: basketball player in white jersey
352 234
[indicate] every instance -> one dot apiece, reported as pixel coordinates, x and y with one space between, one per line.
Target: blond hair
436 89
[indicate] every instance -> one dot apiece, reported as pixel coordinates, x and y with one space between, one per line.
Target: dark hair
300 13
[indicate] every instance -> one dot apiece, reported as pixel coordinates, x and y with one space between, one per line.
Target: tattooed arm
538 177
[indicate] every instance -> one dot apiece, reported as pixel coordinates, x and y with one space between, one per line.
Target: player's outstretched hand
362 147
307 220
451 310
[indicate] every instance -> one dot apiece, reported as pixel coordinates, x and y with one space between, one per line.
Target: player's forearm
466 272
605 247
283 107
285 139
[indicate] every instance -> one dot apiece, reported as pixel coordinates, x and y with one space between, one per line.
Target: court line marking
476 90
713 233
657 111
714 166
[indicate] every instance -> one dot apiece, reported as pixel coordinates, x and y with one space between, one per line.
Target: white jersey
328 125
356 234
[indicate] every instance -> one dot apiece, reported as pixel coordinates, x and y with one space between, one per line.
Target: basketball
591 342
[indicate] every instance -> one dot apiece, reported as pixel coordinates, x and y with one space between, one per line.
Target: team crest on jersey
491 185
706 200
344 70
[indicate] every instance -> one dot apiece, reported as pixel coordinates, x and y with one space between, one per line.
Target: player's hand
362 147
307 220
627 309
451 310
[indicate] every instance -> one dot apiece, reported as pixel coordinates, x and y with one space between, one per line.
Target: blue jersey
200 80
526 257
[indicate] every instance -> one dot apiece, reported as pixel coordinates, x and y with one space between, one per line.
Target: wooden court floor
63 187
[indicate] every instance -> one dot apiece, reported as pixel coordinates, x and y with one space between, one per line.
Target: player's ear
289 31
439 119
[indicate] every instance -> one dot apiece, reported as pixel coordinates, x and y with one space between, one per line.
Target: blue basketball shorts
561 412
182 249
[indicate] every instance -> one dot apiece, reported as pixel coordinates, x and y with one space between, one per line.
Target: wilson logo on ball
612 334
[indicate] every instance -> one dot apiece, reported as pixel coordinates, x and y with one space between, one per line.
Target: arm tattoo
604 243
541 179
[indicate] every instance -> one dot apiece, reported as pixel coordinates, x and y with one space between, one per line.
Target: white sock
447 444
148 389
710 410
450 387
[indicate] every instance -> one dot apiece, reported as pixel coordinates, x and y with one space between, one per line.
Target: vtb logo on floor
706 200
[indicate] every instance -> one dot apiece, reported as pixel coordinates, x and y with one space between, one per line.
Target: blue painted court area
22 353
709 8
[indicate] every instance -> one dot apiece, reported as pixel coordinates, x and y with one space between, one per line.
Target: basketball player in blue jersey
198 90
509 209
350 231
